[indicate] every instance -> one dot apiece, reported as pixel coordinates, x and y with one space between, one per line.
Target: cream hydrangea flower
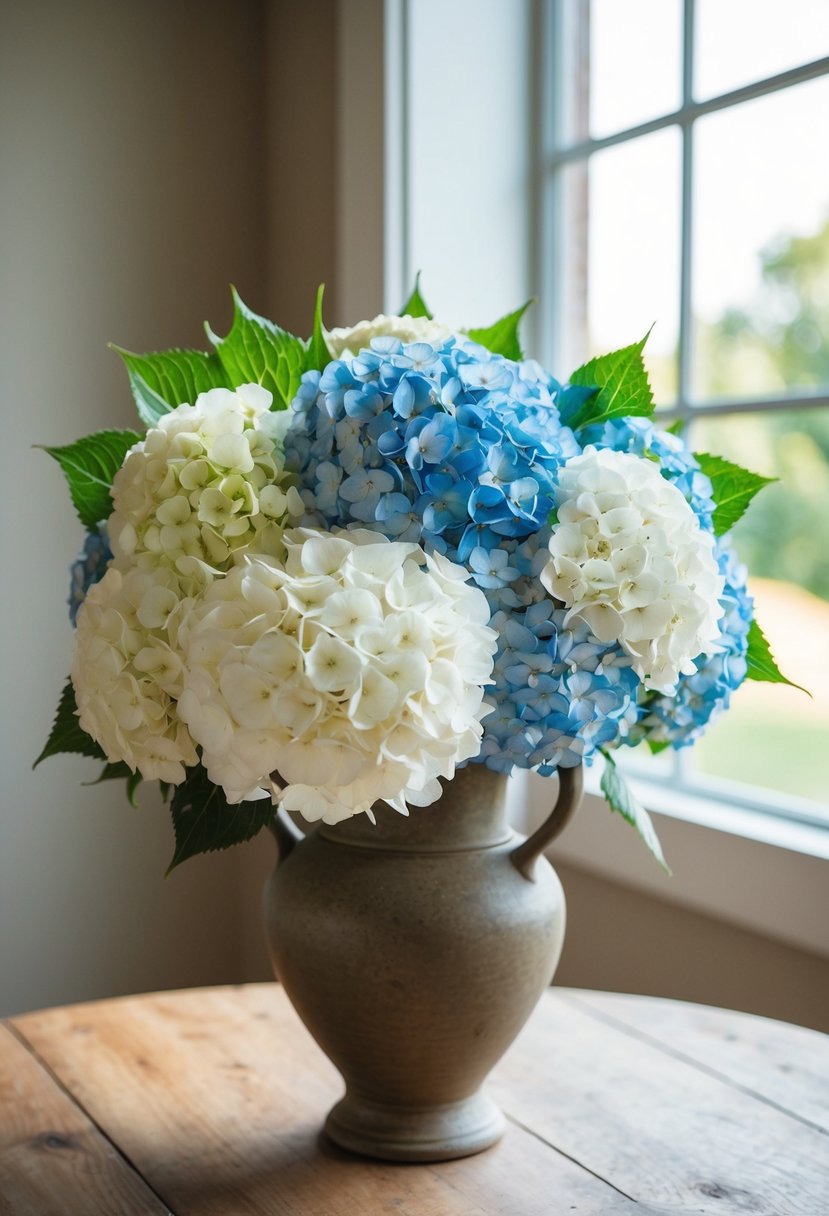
203 485
347 343
629 557
127 672
353 671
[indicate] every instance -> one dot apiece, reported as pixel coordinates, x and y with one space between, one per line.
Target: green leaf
204 821
119 771
622 384
318 354
149 405
657 746
760 661
734 487
165 379
621 799
676 428
133 782
502 337
66 734
90 465
415 306
257 351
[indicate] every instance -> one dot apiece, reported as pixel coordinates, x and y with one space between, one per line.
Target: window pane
635 62
761 251
622 243
740 41
772 735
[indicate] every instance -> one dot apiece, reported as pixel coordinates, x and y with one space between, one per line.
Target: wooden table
208 1102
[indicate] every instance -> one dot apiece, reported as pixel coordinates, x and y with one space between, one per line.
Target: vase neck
470 814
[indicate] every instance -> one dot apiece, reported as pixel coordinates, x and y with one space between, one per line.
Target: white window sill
754 870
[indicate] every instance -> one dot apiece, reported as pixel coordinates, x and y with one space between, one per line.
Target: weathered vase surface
414 951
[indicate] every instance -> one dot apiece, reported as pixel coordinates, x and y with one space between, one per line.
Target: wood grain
218 1097
53 1160
661 1129
786 1066
617 1107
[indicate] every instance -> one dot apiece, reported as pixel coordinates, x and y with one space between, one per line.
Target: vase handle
570 786
286 835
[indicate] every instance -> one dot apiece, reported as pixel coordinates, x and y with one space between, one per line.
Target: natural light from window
731 263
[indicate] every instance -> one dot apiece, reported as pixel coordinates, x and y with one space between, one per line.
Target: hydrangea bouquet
329 572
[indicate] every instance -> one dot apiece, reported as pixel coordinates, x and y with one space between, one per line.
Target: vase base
437 1133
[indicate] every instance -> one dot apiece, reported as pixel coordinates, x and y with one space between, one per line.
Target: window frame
558 63
557 152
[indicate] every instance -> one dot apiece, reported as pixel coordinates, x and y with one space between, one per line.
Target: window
684 184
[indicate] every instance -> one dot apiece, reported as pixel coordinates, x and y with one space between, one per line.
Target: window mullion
581 149
686 217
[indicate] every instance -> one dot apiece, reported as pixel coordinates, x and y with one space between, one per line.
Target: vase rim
470 814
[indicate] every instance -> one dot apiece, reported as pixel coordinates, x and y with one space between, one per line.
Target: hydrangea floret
679 719
340 568
348 342
628 556
204 485
352 672
127 672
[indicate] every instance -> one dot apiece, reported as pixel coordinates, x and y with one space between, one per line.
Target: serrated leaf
502 337
119 771
573 397
733 488
204 821
149 405
415 306
89 466
165 379
760 661
318 354
257 351
622 800
622 386
66 734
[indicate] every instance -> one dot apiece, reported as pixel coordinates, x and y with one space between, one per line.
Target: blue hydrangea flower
89 568
458 449
559 693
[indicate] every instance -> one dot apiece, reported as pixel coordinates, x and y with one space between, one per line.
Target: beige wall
136 185
623 940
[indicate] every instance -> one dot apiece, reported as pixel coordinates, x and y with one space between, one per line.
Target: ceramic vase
414 950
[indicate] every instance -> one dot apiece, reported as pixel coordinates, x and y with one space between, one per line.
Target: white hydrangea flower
347 343
353 671
629 557
203 485
127 672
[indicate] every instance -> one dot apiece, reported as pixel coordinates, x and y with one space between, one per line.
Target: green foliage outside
782 344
